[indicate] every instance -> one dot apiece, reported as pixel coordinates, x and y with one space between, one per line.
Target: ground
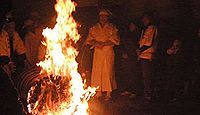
123 105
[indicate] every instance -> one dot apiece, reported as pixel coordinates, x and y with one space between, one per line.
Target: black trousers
9 104
147 73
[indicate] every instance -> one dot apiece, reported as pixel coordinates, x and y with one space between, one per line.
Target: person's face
10 27
34 16
132 27
146 21
103 19
177 44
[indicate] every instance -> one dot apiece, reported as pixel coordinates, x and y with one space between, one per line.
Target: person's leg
9 102
146 74
108 95
98 94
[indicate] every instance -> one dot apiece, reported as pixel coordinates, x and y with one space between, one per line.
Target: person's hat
9 18
149 15
105 12
1 22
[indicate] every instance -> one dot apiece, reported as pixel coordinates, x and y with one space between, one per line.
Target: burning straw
61 91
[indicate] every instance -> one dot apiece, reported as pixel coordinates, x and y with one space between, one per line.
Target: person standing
11 45
33 20
129 63
9 103
32 42
196 57
102 37
146 52
175 65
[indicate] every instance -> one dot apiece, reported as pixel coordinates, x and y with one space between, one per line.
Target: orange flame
60 61
60 54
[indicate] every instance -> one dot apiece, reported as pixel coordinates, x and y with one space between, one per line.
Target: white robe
103 75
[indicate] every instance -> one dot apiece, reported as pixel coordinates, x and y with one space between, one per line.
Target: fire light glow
62 92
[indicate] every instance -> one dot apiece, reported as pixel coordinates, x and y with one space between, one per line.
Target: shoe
173 100
132 95
125 93
107 98
148 98
98 94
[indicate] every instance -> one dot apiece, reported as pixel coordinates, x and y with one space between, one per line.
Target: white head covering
105 12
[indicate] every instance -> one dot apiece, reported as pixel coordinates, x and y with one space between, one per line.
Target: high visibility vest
148 38
18 45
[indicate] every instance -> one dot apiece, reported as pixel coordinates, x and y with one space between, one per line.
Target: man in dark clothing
129 63
196 57
175 62
9 104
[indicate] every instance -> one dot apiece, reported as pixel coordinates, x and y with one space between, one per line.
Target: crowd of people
19 51
140 65
137 51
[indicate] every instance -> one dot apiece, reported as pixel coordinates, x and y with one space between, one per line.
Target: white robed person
102 37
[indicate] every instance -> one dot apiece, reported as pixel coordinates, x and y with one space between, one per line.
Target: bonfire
61 89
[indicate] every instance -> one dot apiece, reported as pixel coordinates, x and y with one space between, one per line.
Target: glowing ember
61 91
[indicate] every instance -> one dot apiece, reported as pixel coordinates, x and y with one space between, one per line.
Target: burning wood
62 92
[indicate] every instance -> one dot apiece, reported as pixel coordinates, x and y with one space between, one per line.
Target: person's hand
6 69
138 52
12 67
125 55
26 64
99 45
9 68
170 51
87 42
93 42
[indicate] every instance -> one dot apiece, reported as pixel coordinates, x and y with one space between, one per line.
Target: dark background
175 12
176 18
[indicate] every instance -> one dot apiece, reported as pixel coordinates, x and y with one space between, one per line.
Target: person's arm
143 48
28 43
90 38
41 52
6 66
19 45
92 41
108 43
114 38
20 49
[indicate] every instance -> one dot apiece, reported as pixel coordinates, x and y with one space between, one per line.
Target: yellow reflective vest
18 45
148 38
